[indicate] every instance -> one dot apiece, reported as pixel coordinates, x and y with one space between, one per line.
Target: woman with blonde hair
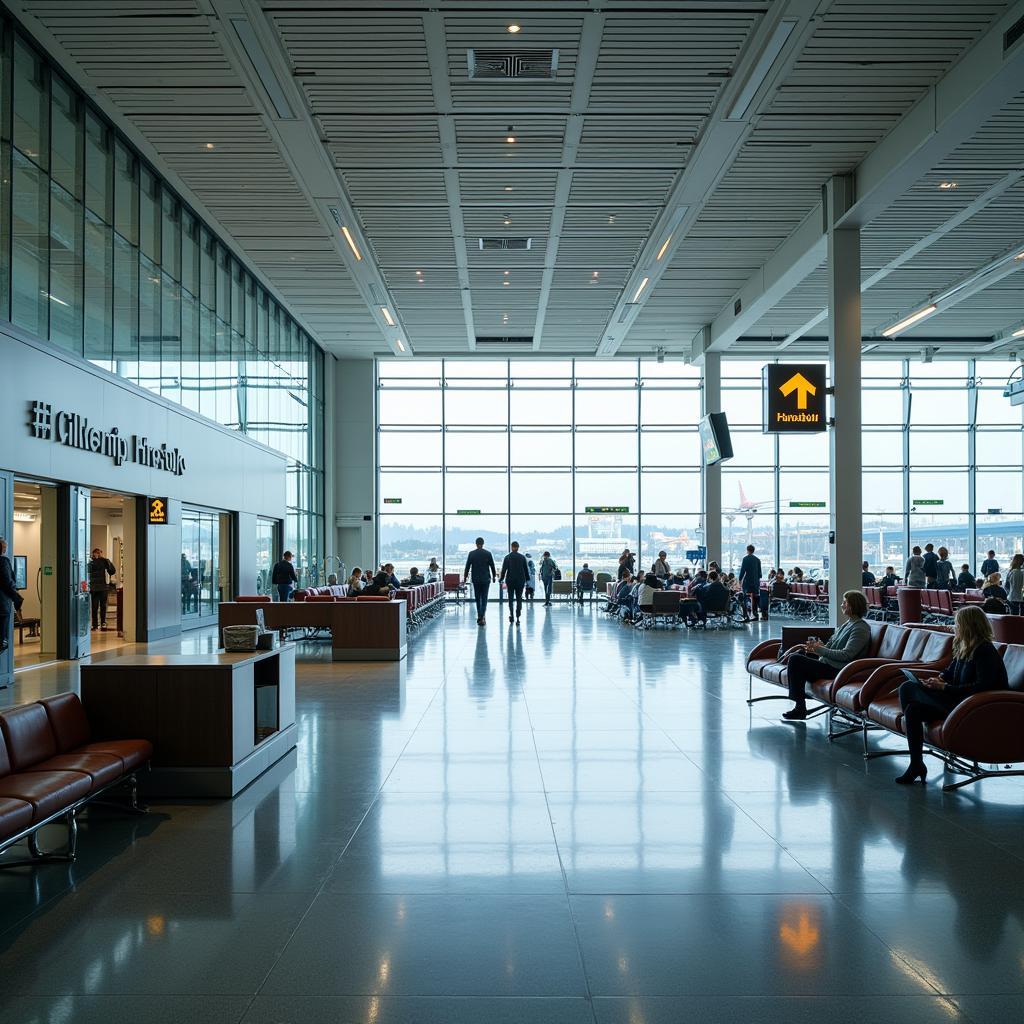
976 667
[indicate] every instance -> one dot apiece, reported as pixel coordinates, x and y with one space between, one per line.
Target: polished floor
565 823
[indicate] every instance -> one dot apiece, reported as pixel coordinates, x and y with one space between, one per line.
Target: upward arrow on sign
802 386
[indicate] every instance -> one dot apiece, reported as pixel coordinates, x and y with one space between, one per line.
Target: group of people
703 591
976 667
932 569
518 574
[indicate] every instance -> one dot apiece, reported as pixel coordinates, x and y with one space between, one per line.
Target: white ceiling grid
420 149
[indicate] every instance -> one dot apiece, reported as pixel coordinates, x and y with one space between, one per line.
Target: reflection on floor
567 822
28 654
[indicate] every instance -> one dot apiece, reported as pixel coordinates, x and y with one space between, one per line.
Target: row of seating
987 728
51 767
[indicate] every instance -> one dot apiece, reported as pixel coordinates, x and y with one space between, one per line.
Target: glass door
6 531
79 597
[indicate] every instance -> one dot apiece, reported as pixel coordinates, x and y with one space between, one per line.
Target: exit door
78 564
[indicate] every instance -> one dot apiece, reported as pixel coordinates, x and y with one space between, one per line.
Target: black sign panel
157 511
794 398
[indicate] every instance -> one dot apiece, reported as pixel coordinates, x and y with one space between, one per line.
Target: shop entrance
74 555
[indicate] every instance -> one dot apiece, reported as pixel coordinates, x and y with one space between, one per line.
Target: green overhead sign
392 501
468 512
606 509
807 504
928 501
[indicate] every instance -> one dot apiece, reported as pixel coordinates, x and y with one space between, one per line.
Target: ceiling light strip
779 38
900 326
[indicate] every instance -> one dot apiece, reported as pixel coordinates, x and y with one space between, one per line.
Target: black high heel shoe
912 774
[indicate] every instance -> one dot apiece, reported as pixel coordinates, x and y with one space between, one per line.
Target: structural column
844 353
711 401
355 464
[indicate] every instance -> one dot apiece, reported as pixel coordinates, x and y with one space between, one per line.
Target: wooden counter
216 721
360 630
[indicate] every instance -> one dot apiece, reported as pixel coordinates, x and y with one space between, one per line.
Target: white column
711 395
844 345
355 463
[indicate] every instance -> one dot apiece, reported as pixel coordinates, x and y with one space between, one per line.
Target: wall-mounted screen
21 572
715 442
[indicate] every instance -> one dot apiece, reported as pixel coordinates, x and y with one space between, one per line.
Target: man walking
750 580
8 595
480 565
514 573
283 577
99 568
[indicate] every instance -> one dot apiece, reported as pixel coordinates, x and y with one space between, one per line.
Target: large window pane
31 104
541 448
541 492
126 307
413 492
596 488
99 292
126 193
408 540
606 449
65 292
485 490
98 168
29 249
149 215
67 143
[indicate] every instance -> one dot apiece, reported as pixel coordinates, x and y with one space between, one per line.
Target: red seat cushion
887 713
101 768
47 792
67 720
133 753
27 736
14 816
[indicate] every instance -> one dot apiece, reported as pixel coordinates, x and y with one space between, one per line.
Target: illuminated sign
73 430
604 510
807 504
392 501
156 510
793 398
468 512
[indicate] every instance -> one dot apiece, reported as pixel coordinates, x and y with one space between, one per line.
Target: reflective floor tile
418 1010
968 941
432 945
165 1009
772 1010
733 945
128 943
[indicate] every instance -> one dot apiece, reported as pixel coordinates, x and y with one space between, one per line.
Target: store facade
89 460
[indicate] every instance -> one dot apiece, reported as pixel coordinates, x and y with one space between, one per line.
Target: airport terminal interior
511 511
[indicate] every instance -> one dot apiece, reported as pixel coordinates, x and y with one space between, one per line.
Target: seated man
965 581
867 577
645 597
415 578
389 568
584 581
379 586
890 579
712 596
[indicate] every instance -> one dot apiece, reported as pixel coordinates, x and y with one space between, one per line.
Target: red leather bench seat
73 736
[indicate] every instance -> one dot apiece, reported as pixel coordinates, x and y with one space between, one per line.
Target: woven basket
240 638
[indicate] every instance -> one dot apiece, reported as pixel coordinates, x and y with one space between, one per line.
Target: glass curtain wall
582 458
205 561
99 256
577 457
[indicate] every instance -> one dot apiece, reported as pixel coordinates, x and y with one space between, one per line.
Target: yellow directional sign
157 509
802 386
794 398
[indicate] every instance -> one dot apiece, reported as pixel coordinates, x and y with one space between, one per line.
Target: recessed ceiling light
947 186
419 273
505 283
398 342
664 246
511 135
508 221
514 28
1018 334
643 285
351 242
209 145
508 188
902 325
611 218
506 273
1019 256
388 318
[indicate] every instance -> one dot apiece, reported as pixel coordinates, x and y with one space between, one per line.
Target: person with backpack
548 568
531 580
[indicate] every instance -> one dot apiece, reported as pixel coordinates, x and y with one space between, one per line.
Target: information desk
360 630
216 721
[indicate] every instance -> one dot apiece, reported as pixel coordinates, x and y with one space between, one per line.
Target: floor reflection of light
400 913
624 964
373 1010
800 936
156 925
609 912
383 972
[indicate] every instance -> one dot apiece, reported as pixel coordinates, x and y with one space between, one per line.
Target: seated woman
976 667
355 581
993 589
817 660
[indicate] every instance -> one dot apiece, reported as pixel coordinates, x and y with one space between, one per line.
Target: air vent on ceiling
1013 34
506 244
519 64
506 339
